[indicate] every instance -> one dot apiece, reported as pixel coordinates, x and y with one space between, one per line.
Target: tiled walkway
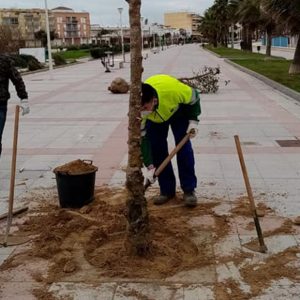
74 116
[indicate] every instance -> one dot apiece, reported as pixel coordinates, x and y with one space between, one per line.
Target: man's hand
25 107
192 128
149 175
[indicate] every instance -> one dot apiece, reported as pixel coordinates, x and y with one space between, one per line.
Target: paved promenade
73 115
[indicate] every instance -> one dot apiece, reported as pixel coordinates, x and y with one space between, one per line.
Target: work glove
192 128
149 175
25 107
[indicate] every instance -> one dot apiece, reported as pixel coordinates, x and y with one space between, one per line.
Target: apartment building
184 20
72 28
24 23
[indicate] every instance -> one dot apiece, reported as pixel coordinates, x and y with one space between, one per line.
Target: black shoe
161 199
190 199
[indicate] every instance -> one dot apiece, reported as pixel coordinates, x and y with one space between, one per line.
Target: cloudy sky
104 12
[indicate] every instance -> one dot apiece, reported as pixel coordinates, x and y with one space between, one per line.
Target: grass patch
275 68
238 54
74 54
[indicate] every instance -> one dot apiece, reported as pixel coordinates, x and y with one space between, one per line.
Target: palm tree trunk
138 239
268 42
244 37
295 65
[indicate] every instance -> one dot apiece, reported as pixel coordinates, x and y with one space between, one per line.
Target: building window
59 19
83 20
10 21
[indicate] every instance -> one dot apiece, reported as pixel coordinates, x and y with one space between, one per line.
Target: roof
62 8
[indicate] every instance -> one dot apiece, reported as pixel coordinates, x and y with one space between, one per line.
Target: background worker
167 102
9 72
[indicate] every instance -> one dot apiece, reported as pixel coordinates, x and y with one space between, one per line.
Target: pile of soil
76 167
88 245
95 236
119 86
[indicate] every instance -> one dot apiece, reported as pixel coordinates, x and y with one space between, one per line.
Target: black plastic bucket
75 190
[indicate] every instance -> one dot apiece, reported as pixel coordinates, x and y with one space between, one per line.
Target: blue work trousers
3 112
157 134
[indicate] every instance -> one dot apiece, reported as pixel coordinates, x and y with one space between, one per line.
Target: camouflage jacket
9 72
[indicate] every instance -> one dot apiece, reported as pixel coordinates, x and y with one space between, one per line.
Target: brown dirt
88 244
95 235
41 294
136 294
242 208
296 220
285 228
260 276
229 290
76 167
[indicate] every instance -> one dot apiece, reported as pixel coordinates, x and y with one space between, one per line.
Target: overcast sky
104 12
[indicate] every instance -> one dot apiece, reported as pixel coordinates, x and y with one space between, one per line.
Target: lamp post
48 37
120 9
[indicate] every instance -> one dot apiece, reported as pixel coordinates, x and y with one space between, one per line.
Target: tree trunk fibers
138 240
295 65
269 42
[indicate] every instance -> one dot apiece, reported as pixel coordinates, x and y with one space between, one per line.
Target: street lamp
48 37
120 9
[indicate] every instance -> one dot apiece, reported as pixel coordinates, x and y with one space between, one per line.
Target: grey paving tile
282 289
18 290
198 292
81 291
134 291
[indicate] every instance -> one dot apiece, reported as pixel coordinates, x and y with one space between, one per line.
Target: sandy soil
88 243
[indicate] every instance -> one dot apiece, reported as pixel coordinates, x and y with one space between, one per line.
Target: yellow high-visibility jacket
172 94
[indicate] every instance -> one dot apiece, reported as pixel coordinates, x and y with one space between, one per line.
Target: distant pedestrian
169 103
9 72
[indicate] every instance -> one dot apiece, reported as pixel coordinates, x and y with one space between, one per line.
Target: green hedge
58 59
100 52
26 61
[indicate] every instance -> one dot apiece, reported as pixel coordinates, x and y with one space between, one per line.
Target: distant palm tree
248 13
221 12
288 13
209 27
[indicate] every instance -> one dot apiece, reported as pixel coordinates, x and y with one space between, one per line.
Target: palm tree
288 13
208 27
248 13
138 236
221 13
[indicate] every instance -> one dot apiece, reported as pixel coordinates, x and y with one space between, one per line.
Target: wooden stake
13 175
263 247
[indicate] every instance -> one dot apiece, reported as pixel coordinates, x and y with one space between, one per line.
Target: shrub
59 59
98 52
84 46
126 47
19 61
26 61
72 47
34 64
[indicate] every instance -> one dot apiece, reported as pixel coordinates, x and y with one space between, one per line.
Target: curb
211 52
283 89
47 69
